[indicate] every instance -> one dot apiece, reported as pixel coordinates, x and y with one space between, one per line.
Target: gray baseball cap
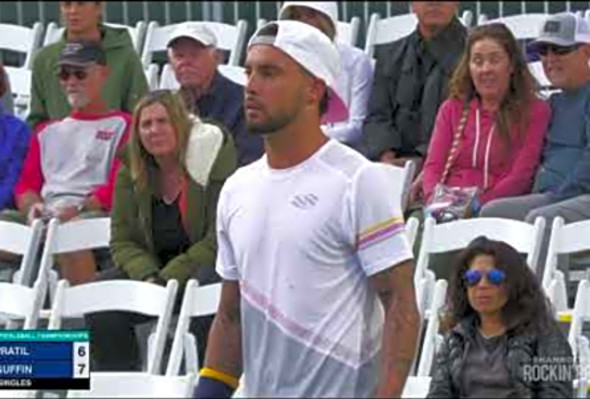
563 29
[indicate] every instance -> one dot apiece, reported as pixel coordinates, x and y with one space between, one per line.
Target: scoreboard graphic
44 359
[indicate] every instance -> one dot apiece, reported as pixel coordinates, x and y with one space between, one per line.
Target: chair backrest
467 18
416 387
565 239
235 73
151 74
387 30
22 240
197 302
21 39
20 85
412 226
522 26
118 295
53 33
401 179
230 38
347 32
580 315
445 237
136 385
20 302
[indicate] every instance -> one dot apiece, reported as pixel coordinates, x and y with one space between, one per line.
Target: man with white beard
71 163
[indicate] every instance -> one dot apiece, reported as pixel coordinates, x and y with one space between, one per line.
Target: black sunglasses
80 74
557 50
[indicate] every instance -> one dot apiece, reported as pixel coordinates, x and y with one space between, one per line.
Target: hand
388 157
416 193
67 213
36 211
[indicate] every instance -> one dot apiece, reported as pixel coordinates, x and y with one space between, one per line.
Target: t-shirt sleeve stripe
380 232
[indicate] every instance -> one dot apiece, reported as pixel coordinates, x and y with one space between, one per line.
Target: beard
271 125
78 100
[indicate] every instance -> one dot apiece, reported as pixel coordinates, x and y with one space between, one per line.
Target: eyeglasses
494 276
557 50
80 74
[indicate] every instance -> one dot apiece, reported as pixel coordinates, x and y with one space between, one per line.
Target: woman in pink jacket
500 145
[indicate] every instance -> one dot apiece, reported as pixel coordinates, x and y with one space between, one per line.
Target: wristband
215 384
220 376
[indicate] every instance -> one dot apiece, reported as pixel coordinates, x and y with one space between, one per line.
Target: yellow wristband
218 375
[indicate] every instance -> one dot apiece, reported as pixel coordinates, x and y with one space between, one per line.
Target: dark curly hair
527 309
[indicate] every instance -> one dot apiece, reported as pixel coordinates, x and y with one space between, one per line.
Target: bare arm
224 349
402 321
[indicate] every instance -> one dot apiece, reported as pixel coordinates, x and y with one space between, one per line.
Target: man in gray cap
193 56
71 164
562 184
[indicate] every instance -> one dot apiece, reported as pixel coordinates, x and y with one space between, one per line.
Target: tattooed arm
395 287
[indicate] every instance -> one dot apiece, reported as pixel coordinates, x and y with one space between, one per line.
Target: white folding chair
522 26
53 33
445 237
119 295
387 30
401 179
136 385
467 18
347 32
197 302
21 39
416 387
565 239
230 38
578 342
20 85
412 226
151 74
72 236
18 302
432 339
235 73
21 240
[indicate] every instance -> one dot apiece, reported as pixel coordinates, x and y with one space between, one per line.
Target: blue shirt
224 103
14 143
565 168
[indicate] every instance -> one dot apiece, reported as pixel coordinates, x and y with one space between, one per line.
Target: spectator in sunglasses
70 166
562 183
501 326
83 20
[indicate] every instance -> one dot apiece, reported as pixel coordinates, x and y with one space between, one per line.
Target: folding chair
21 240
53 33
197 302
18 302
230 38
21 40
401 179
136 385
565 239
348 32
412 226
20 85
151 74
388 30
578 342
445 237
72 236
416 387
119 295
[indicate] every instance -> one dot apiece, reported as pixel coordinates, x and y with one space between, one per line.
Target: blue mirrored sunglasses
494 276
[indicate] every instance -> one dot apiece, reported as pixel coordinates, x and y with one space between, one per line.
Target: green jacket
125 85
132 244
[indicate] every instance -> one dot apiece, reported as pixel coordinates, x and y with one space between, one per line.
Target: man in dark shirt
411 75
193 56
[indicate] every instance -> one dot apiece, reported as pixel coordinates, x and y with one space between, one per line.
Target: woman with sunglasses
503 340
163 217
489 133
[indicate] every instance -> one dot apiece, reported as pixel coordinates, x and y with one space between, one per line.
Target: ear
317 90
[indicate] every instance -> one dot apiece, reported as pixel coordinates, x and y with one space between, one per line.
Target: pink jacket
508 173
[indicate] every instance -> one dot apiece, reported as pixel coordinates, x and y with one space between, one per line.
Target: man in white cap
355 80
562 184
317 297
193 56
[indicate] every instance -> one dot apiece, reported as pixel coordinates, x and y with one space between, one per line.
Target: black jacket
402 106
522 349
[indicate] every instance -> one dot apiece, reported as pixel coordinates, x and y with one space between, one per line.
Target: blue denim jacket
14 143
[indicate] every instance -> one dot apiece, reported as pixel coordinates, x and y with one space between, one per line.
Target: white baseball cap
314 51
195 31
327 8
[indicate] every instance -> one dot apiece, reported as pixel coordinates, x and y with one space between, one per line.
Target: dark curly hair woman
503 340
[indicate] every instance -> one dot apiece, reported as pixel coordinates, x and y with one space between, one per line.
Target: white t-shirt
302 242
